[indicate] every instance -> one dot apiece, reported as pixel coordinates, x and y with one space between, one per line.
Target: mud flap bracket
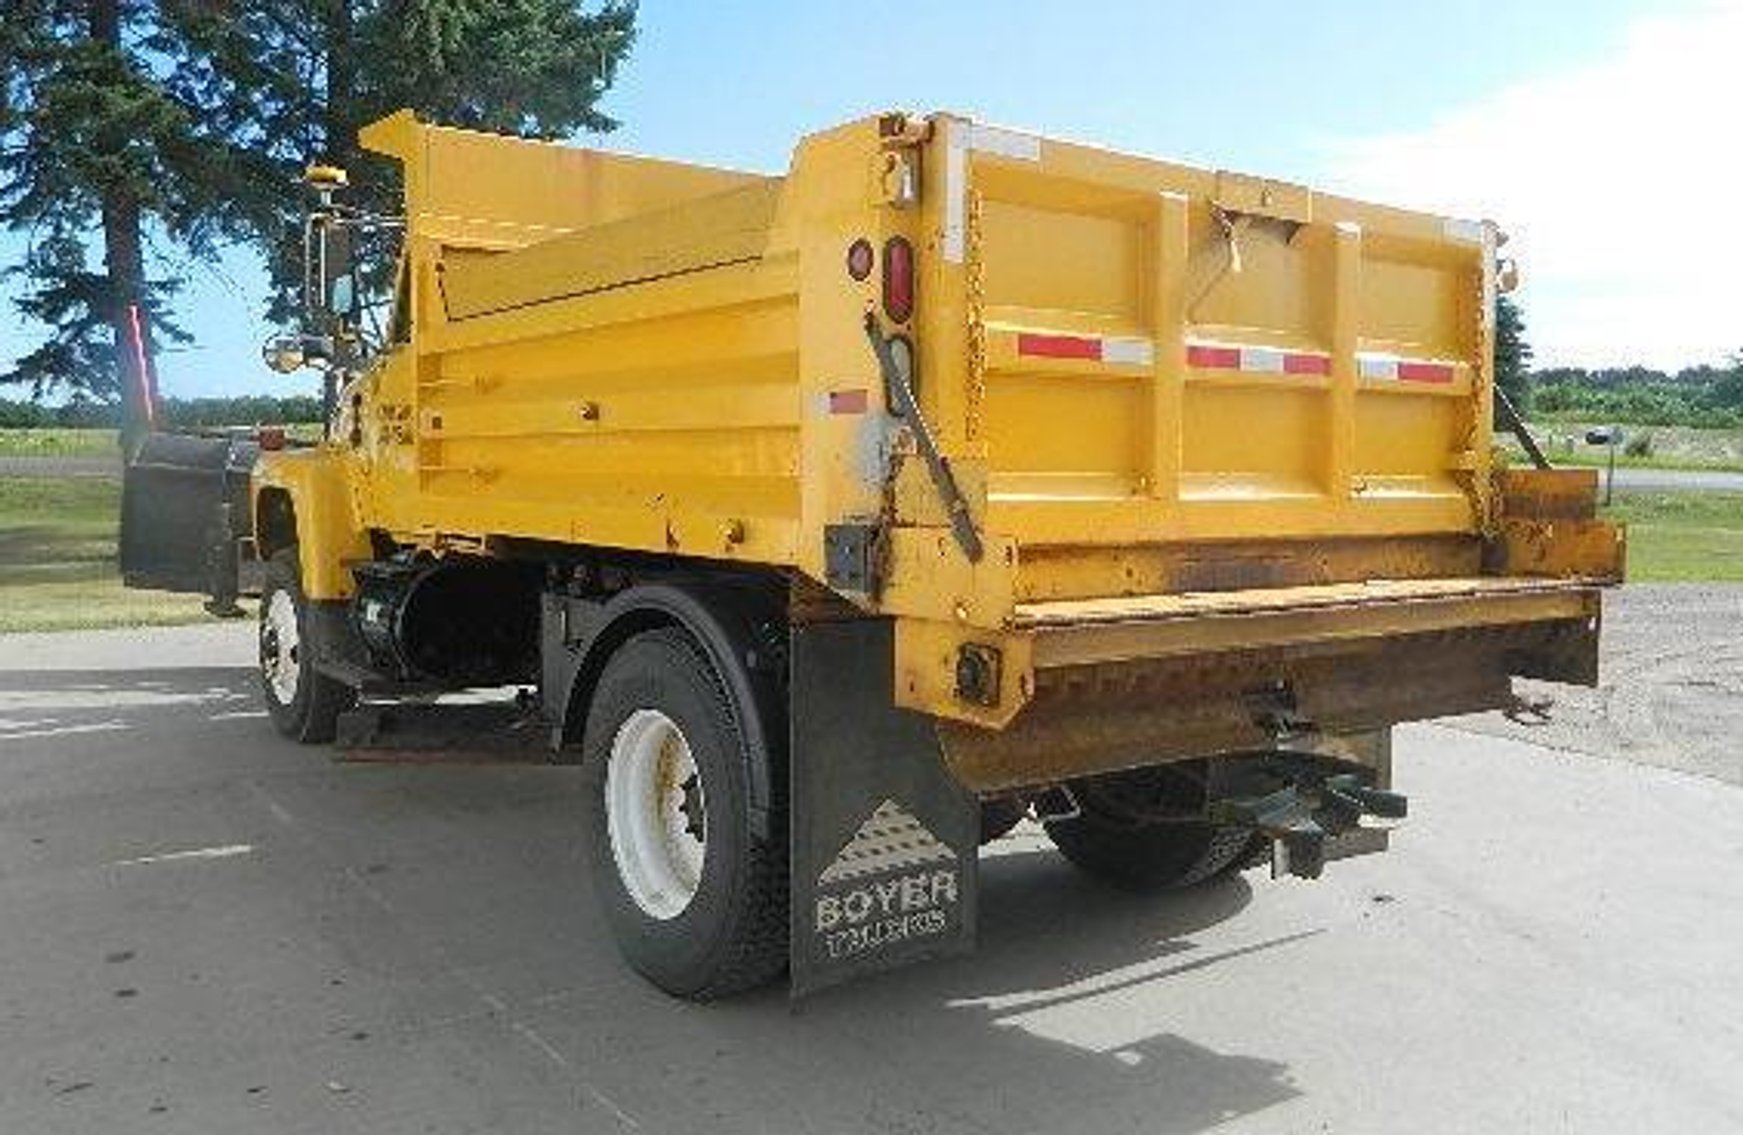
883 840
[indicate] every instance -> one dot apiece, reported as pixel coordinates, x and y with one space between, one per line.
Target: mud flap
883 840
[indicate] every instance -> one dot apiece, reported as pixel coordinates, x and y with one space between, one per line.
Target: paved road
206 930
1703 480
1670 689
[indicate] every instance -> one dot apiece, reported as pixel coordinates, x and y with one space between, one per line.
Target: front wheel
696 900
304 703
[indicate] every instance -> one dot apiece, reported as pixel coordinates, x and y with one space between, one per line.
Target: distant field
1680 537
1669 447
57 560
58 569
91 443
58 443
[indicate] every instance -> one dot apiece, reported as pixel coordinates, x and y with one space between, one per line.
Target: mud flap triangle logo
890 839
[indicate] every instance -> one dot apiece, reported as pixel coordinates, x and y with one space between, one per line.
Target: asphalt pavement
1685 480
205 929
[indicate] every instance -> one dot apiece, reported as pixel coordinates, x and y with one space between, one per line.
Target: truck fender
302 497
740 626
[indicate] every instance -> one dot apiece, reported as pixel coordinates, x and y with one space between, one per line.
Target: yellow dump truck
840 520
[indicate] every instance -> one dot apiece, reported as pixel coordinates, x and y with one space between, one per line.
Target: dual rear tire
695 896
1139 830
1150 857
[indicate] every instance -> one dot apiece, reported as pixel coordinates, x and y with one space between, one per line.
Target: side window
400 329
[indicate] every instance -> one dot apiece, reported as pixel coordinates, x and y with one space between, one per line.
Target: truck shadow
1068 1002
1084 1009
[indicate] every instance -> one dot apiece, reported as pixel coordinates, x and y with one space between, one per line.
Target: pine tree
290 82
1512 354
97 160
134 131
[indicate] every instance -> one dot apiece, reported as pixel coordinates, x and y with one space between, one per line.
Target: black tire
1149 857
998 817
310 715
732 934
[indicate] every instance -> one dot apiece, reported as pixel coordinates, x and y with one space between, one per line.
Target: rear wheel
304 703
1150 857
1136 830
695 899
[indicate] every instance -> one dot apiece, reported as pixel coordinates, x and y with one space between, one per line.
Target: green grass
58 570
1681 537
57 560
1670 447
58 443
1597 460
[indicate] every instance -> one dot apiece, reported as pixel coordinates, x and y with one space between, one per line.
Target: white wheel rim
655 814
280 647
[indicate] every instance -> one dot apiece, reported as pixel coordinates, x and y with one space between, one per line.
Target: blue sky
1479 108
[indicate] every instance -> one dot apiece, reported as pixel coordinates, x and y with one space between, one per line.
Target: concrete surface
1670 686
204 929
1705 480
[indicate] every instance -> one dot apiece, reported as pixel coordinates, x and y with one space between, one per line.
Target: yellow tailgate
1161 353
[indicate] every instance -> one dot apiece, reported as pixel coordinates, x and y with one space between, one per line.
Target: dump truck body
1104 463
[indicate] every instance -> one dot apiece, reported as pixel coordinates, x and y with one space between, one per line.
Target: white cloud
1621 184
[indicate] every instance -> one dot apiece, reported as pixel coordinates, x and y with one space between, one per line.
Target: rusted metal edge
1096 642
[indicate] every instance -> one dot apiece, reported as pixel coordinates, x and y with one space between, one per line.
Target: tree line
1701 396
86 413
140 139
1704 396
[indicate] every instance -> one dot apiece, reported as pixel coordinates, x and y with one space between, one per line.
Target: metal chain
975 286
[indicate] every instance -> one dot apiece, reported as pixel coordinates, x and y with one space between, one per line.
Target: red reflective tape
848 401
141 368
1214 358
1059 346
1424 372
1306 364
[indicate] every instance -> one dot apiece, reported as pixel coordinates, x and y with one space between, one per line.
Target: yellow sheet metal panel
465 187
709 232
1143 377
331 530
1320 357
1123 352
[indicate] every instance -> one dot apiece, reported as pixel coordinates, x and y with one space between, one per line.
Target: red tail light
898 279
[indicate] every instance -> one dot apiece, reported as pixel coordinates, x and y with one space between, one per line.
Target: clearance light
859 259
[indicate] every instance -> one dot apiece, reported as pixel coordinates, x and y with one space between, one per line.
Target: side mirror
329 288
284 355
342 295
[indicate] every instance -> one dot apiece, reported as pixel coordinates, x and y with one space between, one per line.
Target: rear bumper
1123 683
1090 632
